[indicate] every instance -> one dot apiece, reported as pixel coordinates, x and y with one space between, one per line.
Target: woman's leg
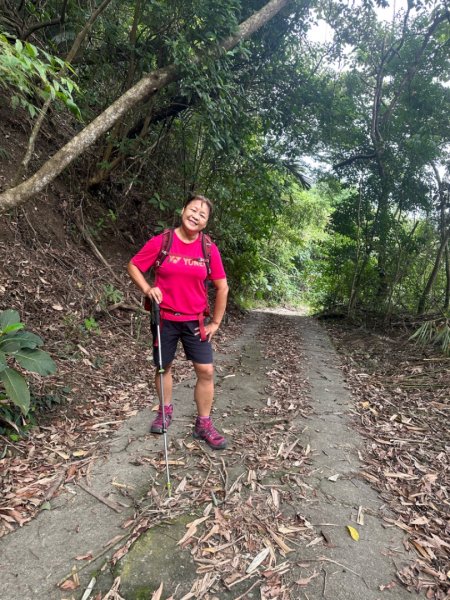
204 394
204 388
160 424
167 383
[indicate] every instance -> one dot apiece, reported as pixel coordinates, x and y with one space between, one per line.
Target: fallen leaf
69 584
400 475
388 586
353 533
78 453
284 547
192 529
87 556
360 517
420 549
259 558
275 497
157 594
63 455
181 486
306 580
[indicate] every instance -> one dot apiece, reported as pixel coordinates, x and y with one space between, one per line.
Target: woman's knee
204 372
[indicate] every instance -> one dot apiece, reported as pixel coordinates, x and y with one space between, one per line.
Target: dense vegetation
328 162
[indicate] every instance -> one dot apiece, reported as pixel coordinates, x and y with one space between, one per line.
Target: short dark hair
204 199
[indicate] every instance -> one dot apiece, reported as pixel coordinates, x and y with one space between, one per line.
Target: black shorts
172 331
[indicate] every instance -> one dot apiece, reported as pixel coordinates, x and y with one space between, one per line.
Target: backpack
167 244
165 251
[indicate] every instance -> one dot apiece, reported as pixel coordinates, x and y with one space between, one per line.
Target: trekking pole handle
156 312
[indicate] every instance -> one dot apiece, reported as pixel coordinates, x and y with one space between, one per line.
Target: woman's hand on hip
210 330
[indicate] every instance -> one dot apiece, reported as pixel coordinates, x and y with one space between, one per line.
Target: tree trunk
69 58
447 279
118 126
433 275
146 87
399 271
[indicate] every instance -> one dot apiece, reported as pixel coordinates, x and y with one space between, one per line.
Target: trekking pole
157 322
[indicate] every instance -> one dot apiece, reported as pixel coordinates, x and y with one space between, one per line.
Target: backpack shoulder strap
166 245
206 247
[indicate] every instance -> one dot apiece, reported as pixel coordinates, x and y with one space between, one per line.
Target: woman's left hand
210 330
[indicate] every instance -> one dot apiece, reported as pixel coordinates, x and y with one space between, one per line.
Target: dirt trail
289 483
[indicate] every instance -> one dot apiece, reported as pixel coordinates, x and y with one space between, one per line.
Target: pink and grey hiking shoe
205 430
157 425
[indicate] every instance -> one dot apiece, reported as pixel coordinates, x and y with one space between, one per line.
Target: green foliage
12 422
23 349
91 325
237 128
111 295
103 223
385 129
269 246
34 73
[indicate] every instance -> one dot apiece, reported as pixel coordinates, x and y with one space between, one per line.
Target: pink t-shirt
181 277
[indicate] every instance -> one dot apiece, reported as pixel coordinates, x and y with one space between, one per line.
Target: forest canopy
327 154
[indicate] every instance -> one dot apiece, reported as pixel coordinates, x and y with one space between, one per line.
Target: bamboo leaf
259 558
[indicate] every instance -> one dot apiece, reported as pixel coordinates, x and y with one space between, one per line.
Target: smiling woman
194 216
182 268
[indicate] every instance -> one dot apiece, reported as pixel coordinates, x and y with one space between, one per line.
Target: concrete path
36 557
341 492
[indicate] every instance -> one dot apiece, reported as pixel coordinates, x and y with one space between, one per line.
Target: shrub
19 347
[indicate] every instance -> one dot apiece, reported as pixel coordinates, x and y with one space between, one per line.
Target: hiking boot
205 430
157 425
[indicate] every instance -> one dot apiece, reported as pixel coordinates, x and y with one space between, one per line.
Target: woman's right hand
154 293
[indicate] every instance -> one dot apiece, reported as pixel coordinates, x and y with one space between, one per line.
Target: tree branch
148 85
59 21
69 58
352 159
412 70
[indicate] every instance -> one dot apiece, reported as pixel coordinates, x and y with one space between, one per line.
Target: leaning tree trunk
146 87
44 110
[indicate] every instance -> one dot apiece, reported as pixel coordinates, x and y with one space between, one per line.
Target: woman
180 291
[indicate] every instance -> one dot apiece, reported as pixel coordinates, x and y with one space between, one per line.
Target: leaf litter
246 522
94 389
402 407
246 529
